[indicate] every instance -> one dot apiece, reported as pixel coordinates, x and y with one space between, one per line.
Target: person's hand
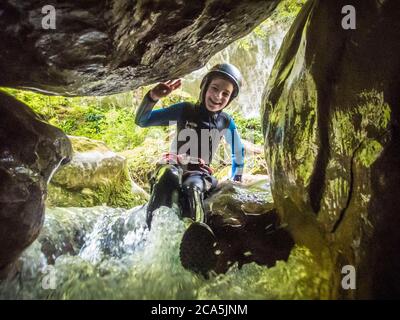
164 88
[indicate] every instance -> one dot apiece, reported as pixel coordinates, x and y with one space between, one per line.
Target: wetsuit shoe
165 190
198 250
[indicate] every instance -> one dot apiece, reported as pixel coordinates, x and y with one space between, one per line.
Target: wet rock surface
30 151
105 47
247 226
331 119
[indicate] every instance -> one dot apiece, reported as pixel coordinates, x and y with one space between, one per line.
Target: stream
109 253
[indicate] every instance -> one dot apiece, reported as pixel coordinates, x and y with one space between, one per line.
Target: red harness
188 162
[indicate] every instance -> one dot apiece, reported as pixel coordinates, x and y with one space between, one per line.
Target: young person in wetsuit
184 177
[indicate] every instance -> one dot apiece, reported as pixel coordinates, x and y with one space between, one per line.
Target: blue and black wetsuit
198 135
199 131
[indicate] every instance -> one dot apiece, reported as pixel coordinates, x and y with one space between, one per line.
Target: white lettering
349 280
49 20
349 20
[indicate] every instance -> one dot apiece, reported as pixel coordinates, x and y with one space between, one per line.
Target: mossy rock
141 161
95 176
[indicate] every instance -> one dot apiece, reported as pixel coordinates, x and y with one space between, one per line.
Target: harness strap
187 162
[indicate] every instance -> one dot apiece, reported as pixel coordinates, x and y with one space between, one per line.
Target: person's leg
165 188
198 246
193 188
196 187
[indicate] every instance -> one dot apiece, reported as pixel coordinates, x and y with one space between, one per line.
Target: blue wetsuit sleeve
237 149
147 117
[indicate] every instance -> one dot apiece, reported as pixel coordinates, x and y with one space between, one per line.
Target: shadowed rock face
105 47
331 117
30 151
246 225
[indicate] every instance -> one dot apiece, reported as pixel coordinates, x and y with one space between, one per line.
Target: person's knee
194 183
168 170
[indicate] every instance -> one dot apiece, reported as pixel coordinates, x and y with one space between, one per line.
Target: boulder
246 225
30 152
105 47
95 176
331 119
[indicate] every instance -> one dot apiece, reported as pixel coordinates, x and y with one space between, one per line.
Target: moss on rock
95 176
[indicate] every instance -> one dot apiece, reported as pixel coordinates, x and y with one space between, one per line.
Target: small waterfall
109 253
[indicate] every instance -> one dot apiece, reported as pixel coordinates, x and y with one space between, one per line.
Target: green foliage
288 9
249 129
284 13
100 118
244 44
110 119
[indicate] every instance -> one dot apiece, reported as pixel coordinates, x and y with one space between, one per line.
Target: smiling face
218 94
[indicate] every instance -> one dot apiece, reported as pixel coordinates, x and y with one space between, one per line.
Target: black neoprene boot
165 190
199 244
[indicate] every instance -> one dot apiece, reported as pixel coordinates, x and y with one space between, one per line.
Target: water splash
120 258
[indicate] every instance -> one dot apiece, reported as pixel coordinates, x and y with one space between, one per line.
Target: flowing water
109 253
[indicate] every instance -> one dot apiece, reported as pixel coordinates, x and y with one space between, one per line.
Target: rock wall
331 122
30 151
105 47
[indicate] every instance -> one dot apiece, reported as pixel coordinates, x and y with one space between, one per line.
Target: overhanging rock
103 47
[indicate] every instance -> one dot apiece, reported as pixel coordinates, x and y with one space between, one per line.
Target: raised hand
163 89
